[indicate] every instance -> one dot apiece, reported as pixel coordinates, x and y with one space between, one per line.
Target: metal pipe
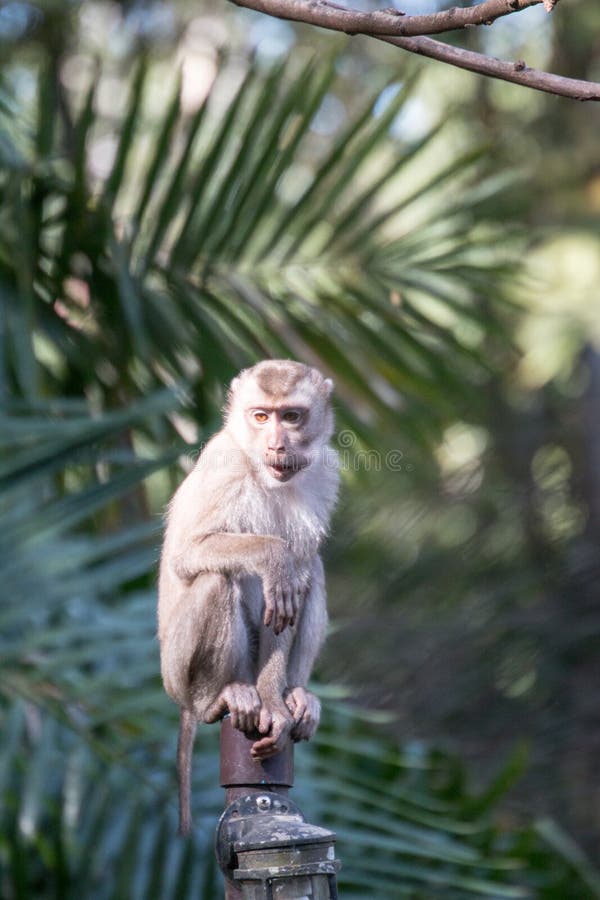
242 775
265 847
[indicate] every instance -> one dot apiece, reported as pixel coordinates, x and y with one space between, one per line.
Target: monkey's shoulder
200 504
220 464
221 450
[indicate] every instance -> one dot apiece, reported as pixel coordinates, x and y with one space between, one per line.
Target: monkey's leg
311 628
206 654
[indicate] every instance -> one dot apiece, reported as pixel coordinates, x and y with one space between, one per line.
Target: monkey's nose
276 441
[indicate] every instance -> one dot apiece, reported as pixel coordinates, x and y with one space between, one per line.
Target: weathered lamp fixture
265 847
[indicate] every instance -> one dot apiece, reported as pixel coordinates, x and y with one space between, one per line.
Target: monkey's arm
247 554
229 554
285 663
312 625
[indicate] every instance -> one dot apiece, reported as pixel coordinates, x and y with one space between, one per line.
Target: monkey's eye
260 417
292 416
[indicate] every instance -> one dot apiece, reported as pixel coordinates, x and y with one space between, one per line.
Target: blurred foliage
163 224
86 769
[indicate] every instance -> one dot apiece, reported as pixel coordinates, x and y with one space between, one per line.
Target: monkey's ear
234 384
328 386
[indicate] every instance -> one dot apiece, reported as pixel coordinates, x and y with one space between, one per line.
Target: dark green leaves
215 238
239 227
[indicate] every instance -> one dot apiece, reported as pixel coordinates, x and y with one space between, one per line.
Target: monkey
242 607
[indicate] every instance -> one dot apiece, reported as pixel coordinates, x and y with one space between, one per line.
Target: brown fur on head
280 411
280 378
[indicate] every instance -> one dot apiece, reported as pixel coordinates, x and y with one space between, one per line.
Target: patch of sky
413 120
527 31
330 116
151 20
271 38
16 19
22 84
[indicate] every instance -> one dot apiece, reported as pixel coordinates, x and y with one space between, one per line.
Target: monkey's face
280 414
279 439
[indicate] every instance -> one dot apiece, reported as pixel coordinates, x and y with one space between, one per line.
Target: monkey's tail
185 746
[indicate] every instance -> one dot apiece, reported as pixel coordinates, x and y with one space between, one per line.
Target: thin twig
515 72
392 28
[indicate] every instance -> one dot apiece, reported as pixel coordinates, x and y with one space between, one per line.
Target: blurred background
186 188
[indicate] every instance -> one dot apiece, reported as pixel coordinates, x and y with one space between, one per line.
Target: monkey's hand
276 727
243 704
306 711
284 588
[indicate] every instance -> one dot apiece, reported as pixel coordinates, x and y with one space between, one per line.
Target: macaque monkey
241 610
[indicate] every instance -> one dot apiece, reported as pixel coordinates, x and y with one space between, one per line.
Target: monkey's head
279 412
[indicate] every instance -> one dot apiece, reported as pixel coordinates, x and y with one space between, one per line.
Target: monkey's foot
306 711
276 727
242 703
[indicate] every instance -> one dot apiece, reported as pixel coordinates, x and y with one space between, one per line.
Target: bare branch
515 72
391 27
388 21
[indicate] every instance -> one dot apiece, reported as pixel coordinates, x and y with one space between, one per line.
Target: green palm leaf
86 775
177 269
205 237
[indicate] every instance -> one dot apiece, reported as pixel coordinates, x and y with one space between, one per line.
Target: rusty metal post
242 775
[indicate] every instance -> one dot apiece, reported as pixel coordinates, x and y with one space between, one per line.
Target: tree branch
387 21
515 72
407 33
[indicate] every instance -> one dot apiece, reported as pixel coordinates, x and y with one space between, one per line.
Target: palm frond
86 774
214 244
243 234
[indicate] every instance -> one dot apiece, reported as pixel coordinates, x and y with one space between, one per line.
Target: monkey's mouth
285 467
